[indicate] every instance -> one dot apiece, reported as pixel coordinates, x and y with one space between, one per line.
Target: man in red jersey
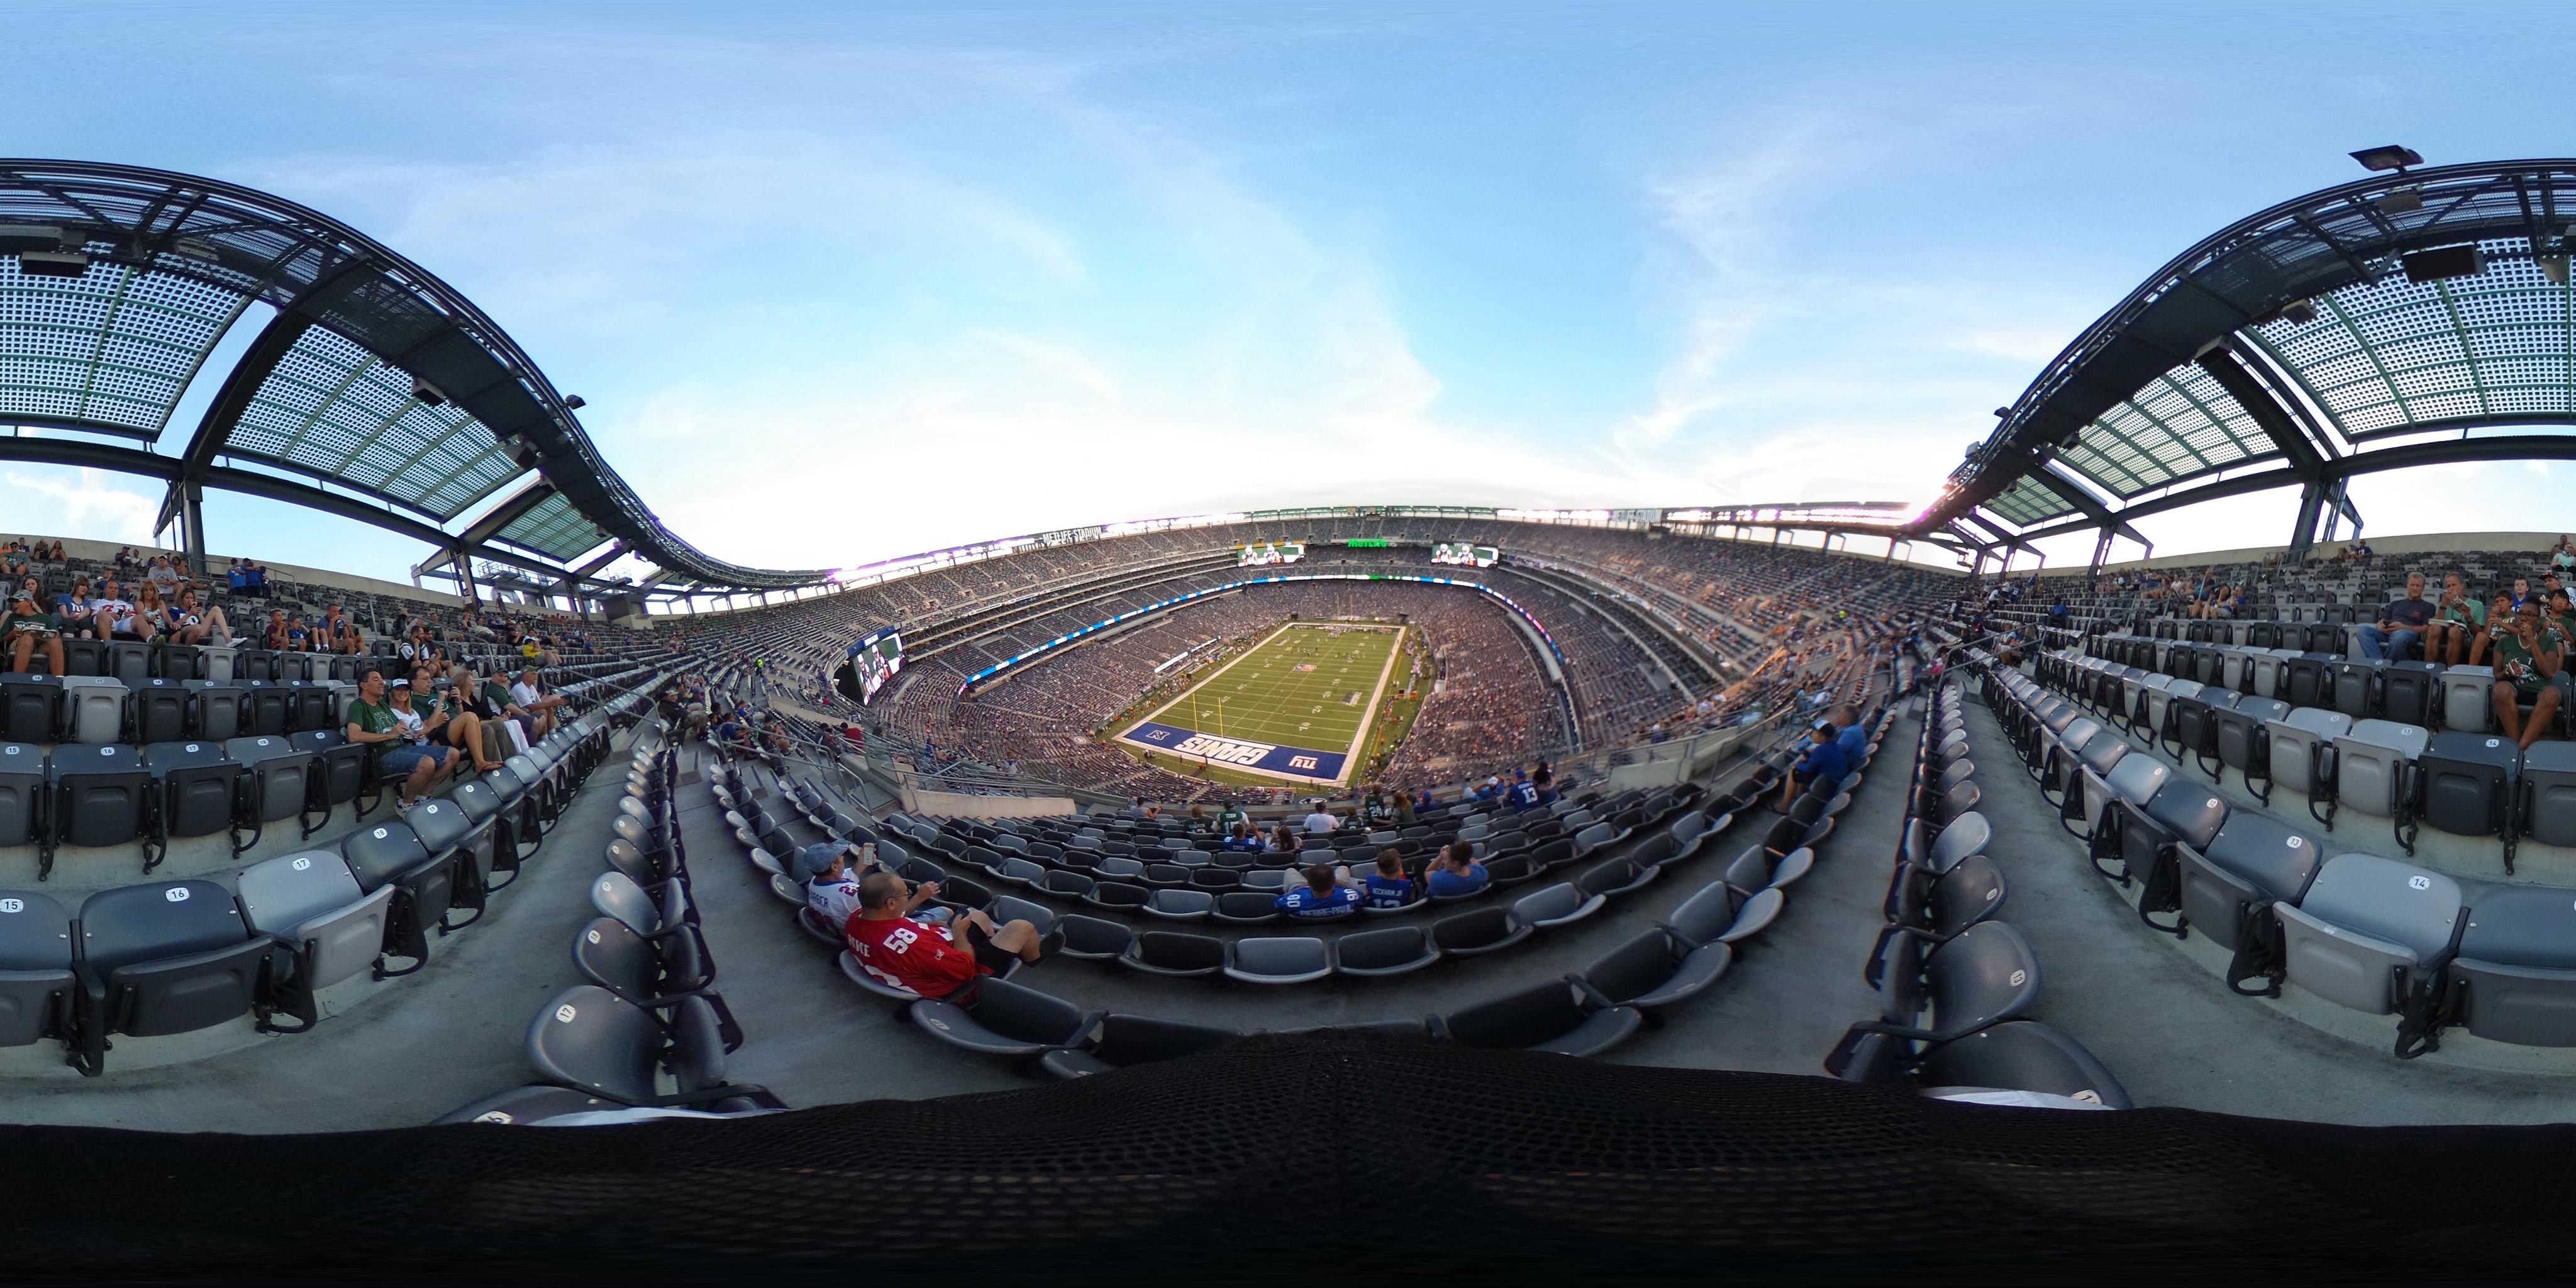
930 960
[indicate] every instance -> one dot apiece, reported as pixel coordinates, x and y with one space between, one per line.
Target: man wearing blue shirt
1823 760
1521 794
1456 872
1387 887
1321 899
1853 739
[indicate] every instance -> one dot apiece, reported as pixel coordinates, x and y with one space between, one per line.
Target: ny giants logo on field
1225 750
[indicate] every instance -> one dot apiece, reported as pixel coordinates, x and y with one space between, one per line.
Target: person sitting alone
937 961
1388 886
2528 656
1457 873
1824 759
2401 623
1324 897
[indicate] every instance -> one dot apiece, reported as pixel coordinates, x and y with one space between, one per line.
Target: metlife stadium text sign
1298 762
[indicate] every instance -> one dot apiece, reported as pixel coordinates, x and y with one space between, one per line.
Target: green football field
1306 686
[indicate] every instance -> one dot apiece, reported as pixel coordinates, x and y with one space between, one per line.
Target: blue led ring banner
1239 753
1175 601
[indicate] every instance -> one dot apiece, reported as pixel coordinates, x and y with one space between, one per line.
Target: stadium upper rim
375 391
2302 345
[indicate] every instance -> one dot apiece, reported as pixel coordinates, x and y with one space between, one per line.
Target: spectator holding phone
72 609
27 628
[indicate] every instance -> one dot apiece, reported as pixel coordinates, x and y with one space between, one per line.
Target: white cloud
80 503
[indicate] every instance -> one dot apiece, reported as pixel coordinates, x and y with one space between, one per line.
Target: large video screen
1464 553
1272 552
874 660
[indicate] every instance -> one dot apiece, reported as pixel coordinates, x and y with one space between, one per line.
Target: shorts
987 956
398 761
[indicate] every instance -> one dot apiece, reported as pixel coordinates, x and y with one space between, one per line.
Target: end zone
1236 753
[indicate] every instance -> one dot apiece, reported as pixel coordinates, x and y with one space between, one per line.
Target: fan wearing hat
383 718
26 627
831 872
1824 759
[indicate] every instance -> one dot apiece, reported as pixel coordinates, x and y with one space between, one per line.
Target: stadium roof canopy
372 389
2406 319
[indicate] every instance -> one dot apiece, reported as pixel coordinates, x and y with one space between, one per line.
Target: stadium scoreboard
1464 553
1271 552
873 660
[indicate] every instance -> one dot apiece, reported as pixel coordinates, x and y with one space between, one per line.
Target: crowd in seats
1790 626
1138 892
2329 914
176 956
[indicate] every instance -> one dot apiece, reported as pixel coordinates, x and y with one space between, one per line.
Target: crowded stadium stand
1679 865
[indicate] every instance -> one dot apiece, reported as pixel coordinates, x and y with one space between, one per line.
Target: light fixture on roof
2553 267
2401 201
2300 312
52 263
574 402
2444 262
2389 157
427 393
2003 413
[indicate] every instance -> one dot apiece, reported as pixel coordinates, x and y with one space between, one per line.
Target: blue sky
845 282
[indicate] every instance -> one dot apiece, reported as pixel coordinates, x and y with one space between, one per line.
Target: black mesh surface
1347 1155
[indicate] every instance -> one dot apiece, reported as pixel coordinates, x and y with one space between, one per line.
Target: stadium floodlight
574 402
2300 312
2553 267
2401 201
2389 157
426 393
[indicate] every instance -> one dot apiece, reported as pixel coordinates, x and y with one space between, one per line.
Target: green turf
1265 698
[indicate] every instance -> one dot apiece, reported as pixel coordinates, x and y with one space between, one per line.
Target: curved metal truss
2402 320
118 285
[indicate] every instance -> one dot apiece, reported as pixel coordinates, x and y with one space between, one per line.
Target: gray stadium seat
2021 1055
1007 1020
312 903
1966 893
1167 952
1119 1041
2136 779
2468 702
2545 809
589 1039
1562 1017
2514 979
1616 878
1247 907
1474 934
1093 939
1657 969
2369 767
160 958
1593 837
2367 928
2253 861
1379 954
36 981
1291 959
523 1106
2296 745
390 854
1985 976
1180 905
1561 904
1719 914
